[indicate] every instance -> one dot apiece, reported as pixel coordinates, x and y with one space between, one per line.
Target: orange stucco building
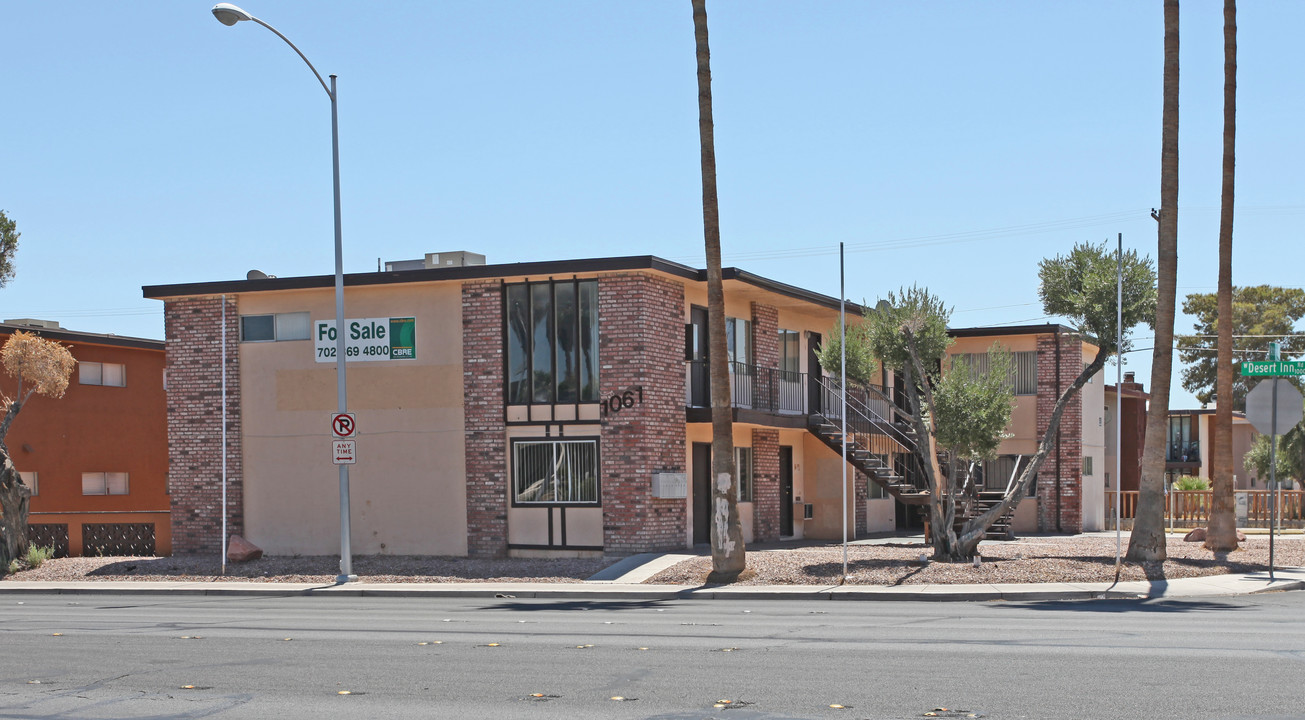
97 458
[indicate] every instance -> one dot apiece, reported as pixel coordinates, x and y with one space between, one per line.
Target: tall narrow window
552 342
518 344
743 472
588 341
568 347
738 340
541 334
788 355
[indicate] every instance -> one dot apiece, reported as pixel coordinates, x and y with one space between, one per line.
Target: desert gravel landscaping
1028 560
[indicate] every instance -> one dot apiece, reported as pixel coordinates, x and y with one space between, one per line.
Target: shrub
1189 482
37 555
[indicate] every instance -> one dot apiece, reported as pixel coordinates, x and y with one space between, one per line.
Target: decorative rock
241 550
1198 535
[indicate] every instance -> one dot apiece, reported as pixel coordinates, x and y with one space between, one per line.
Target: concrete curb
1287 579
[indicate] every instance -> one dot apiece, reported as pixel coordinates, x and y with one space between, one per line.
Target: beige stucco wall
407 488
1093 396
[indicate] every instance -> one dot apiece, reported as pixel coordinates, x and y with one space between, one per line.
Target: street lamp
229 14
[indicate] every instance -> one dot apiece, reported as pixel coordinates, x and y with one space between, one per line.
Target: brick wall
193 329
765 485
1065 473
641 342
485 437
765 350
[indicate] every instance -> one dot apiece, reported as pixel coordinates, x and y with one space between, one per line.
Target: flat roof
84 337
482 272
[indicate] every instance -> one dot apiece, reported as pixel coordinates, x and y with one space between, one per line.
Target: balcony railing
751 388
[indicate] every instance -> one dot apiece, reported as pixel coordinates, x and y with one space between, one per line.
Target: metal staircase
880 440
881 443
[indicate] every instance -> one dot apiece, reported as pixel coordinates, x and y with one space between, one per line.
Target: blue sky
951 144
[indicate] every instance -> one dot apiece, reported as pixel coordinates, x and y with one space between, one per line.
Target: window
1087 465
1024 369
554 472
552 339
738 340
275 328
1003 470
743 472
788 355
30 480
1182 446
104 483
109 374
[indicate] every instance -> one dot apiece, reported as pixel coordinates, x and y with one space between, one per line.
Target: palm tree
727 553
1222 533
1147 541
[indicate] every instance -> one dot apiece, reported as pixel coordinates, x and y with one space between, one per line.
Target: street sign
1262 410
344 452
344 425
1271 368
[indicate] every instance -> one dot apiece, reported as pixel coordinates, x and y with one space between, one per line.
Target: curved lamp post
229 14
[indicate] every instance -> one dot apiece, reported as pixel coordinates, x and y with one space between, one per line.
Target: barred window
555 472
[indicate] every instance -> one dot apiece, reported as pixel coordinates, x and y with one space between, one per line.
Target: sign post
344 428
1273 407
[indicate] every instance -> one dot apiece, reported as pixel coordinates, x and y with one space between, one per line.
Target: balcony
785 395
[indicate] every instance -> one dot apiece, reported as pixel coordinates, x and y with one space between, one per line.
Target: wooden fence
1191 508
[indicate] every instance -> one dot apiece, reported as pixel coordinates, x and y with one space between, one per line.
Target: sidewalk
629 589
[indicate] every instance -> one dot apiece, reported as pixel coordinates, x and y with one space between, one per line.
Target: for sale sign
367 339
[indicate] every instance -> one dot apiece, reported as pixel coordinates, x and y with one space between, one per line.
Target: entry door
701 493
785 490
695 350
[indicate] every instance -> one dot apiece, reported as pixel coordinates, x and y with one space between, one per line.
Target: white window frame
94 373
106 483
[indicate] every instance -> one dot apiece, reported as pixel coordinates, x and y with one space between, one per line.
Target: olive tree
963 414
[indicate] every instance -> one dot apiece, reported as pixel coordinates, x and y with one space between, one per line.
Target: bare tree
1221 536
727 552
43 367
1147 541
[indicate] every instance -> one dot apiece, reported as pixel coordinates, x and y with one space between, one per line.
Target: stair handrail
874 422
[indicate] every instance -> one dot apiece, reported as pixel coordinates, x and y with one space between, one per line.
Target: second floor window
552 342
1183 446
94 373
789 363
1024 369
738 340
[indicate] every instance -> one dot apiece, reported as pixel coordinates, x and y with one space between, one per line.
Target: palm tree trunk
1222 533
727 552
1147 541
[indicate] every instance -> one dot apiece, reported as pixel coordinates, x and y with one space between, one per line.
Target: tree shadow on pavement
1121 605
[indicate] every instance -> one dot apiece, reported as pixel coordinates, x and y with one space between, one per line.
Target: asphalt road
158 657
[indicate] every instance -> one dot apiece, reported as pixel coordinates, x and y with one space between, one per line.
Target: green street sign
1271 368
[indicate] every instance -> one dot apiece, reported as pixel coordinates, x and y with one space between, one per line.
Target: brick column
485 436
641 342
1064 473
765 485
193 328
765 353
